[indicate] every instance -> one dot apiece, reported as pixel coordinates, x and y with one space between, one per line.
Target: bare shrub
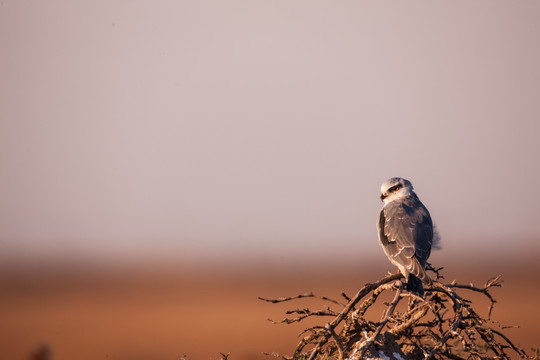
441 325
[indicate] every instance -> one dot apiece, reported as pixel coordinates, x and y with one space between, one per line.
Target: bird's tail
419 271
414 285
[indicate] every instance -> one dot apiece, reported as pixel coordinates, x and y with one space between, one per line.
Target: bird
406 232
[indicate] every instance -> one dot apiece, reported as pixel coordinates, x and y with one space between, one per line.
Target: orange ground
163 314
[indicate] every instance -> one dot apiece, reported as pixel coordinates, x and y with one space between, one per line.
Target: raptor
406 232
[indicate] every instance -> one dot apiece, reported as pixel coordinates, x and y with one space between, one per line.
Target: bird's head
395 188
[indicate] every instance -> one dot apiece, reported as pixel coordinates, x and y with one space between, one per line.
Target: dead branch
387 315
361 293
441 325
304 313
306 295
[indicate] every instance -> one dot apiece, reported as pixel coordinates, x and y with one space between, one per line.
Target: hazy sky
208 128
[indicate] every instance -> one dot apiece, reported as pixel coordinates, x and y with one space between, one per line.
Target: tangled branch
441 325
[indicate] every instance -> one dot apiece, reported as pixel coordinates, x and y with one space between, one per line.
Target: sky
212 129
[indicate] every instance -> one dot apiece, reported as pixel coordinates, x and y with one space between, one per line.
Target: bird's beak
383 197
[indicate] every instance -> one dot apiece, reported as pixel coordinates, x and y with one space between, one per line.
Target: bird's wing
405 233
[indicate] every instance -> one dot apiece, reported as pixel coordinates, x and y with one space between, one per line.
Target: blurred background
165 163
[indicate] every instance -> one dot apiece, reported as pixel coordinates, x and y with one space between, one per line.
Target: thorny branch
441 325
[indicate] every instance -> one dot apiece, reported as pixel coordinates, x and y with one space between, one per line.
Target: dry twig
441 325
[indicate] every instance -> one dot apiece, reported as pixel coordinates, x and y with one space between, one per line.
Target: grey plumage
405 231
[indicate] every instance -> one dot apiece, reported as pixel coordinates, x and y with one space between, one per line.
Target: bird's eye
394 188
